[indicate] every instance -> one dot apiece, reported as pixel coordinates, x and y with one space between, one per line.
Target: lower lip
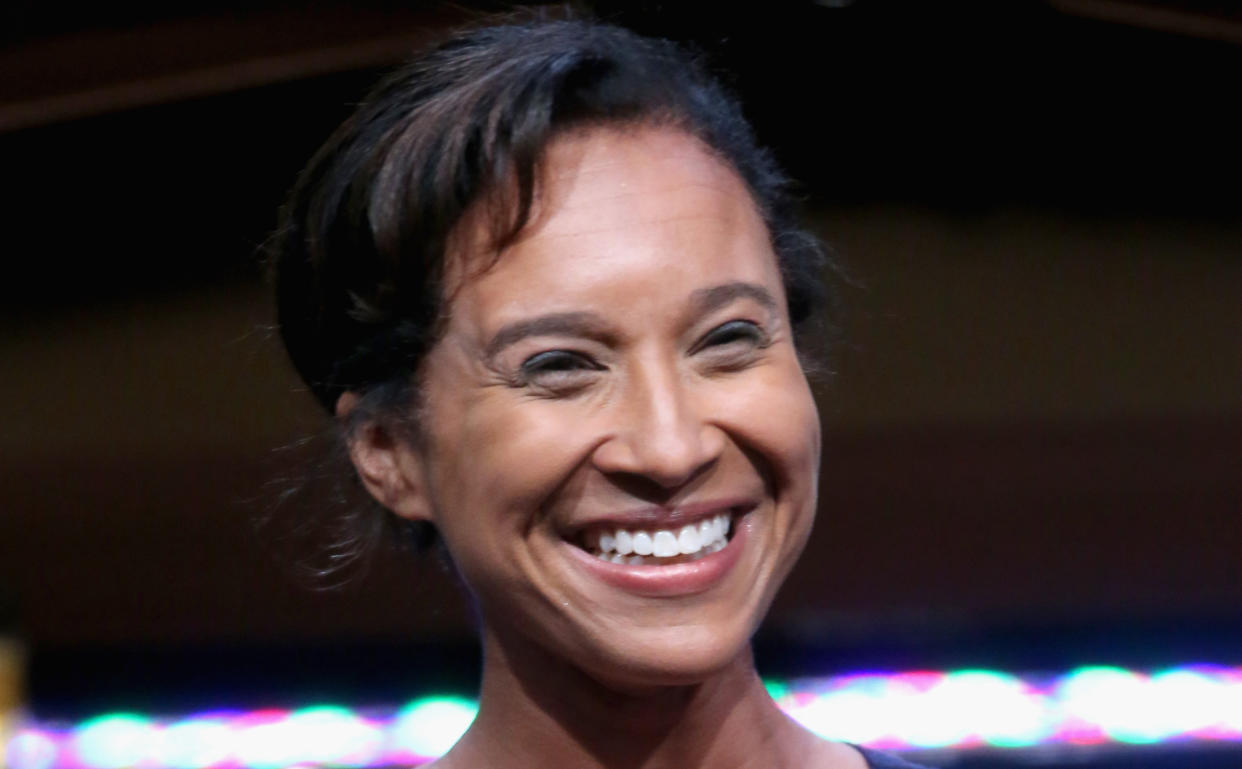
676 579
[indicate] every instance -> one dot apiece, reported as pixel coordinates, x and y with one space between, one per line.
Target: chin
673 656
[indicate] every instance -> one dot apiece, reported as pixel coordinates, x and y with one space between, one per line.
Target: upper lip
665 517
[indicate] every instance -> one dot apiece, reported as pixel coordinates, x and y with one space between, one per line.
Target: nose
659 432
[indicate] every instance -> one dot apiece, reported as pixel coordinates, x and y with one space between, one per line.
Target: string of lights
961 709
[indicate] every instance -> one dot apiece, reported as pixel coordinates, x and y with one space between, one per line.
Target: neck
537 711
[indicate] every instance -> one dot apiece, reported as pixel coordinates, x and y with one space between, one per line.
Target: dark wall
1036 415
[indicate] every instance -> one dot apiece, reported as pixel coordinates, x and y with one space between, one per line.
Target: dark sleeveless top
877 760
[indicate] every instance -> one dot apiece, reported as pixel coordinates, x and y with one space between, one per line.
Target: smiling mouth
635 546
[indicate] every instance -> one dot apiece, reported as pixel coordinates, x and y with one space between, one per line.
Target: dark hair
358 258
359 254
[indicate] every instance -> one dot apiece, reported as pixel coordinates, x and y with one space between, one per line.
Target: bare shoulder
839 755
812 751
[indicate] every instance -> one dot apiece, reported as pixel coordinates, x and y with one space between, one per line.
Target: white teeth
695 540
624 542
664 545
707 531
688 540
642 543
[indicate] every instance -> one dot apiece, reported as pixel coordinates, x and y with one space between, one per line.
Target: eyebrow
588 324
713 298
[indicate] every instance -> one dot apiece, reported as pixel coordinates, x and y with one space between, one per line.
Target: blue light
959 710
31 749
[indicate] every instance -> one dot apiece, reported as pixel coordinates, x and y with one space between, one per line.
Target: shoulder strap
878 760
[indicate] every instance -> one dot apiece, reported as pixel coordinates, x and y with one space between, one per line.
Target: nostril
660 434
653 488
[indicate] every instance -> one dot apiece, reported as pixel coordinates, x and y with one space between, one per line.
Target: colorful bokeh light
957 710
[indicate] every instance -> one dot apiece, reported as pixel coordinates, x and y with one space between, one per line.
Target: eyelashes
733 333
730 346
557 369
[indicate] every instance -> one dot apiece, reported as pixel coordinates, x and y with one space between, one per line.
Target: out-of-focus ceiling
63 76
59 65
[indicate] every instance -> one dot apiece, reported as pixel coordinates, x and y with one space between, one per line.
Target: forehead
614 203
646 175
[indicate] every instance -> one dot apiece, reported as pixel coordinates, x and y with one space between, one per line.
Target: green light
194 743
1118 701
430 726
114 740
331 735
997 707
777 690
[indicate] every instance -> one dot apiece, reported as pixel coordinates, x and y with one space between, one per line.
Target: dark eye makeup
732 346
557 360
556 369
734 331
732 343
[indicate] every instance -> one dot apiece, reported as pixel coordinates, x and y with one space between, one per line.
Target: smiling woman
663 396
548 285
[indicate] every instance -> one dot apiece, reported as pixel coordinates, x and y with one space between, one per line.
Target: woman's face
625 372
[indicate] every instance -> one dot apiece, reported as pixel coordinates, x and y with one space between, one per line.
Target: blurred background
1033 446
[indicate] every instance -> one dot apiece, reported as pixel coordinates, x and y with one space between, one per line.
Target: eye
732 345
732 332
557 370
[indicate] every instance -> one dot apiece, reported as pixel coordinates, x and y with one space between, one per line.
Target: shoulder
878 760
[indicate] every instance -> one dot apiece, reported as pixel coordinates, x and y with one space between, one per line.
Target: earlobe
392 471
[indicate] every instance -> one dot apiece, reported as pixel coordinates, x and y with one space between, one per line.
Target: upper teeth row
664 543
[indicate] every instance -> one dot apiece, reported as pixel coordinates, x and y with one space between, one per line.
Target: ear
393 471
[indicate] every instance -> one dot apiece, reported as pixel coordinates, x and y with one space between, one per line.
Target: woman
548 285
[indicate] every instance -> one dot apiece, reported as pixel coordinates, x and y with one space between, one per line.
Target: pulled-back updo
359 256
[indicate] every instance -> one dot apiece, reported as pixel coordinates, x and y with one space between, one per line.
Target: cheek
776 424
773 415
495 462
492 470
